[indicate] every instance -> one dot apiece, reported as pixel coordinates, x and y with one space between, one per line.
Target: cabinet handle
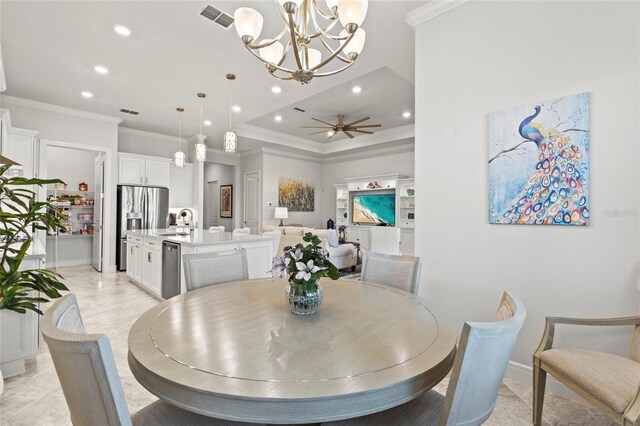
149 257
140 179
146 180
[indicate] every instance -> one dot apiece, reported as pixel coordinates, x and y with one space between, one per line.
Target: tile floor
110 304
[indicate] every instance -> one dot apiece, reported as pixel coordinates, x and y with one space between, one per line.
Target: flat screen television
374 208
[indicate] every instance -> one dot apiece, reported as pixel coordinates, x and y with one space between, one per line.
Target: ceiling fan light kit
302 26
346 128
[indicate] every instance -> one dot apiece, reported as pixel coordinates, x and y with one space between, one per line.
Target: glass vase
301 301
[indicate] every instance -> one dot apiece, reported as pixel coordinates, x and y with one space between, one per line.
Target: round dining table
235 351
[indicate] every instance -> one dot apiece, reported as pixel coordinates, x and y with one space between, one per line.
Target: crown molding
150 135
258 133
375 153
293 155
3 81
431 10
388 135
59 109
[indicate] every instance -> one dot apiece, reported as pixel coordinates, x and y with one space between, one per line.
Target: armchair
608 382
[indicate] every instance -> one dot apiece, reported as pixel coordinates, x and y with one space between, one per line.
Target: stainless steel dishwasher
170 269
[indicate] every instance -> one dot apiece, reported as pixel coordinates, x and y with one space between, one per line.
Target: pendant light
201 148
178 157
230 137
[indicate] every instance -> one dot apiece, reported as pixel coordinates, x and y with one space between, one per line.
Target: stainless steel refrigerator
139 207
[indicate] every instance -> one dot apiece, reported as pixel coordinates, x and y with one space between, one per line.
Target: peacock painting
539 163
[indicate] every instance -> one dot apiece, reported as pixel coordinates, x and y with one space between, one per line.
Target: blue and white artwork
539 163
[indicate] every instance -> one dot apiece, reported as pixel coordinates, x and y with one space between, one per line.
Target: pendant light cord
230 87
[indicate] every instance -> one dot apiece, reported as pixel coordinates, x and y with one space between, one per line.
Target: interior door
213 207
252 201
98 210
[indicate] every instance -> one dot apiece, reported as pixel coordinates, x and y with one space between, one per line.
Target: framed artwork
226 201
296 195
539 163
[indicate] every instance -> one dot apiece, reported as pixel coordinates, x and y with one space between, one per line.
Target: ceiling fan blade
361 131
367 125
358 121
317 133
323 122
317 127
346 132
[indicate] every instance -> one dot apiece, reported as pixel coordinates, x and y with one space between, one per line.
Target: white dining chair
216 229
89 378
242 231
275 235
402 272
205 269
478 369
384 239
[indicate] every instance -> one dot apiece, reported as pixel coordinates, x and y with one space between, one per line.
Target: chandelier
230 137
201 148
305 22
178 157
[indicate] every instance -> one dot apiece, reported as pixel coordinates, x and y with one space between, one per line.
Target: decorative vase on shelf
303 299
411 192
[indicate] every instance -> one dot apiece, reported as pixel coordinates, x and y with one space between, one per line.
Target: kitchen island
145 254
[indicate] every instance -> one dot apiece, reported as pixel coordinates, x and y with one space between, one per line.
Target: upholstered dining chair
205 269
89 378
216 229
242 231
608 382
275 235
482 357
402 272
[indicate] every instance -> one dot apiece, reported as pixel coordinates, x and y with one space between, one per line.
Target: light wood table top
235 351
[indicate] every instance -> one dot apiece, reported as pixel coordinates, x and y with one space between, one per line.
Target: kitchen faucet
190 219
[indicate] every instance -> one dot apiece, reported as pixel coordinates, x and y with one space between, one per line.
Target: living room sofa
341 255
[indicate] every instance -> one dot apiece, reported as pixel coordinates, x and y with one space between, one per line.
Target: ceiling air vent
299 109
128 111
217 16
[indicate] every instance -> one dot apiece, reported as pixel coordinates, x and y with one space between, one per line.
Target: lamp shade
178 159
230 141
357 42
352 11
272 53
315 57
248 22
201 149
281 213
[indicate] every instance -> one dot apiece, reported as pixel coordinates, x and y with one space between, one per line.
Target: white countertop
36 250
199 237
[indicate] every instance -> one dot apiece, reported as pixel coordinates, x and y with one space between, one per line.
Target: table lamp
281 213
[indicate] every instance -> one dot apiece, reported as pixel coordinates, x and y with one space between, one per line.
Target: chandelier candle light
302 26
230 137
201 148
178 157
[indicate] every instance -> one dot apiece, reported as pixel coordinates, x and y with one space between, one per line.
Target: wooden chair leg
539 382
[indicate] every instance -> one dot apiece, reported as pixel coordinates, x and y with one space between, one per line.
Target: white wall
224 175
488 56
336 170
147 143
75 127
276 166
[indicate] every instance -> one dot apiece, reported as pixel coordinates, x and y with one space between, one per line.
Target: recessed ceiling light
278 118
236 108
101 70
122 30
87 94
356 89
207 122
276 89
406 114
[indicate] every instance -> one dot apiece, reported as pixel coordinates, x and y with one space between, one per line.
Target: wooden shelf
68 237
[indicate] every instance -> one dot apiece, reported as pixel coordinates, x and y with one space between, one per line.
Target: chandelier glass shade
201 148
230 141
306 25
178 157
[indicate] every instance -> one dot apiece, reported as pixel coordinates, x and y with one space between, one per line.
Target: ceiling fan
341 126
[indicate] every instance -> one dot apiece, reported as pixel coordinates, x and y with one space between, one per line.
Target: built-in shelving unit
405 203
77 218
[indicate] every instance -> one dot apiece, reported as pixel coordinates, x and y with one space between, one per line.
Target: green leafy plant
305 265
20 214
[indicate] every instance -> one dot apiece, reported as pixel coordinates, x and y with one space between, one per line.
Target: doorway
252 211
213 209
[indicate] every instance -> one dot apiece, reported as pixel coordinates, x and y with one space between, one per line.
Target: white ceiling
50 49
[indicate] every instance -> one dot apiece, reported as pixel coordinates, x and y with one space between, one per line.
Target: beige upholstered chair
275 235
610 383
216 229
205 269
89 377
242 231
402 272
478 369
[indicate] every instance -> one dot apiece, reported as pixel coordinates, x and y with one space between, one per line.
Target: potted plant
20 215
305 265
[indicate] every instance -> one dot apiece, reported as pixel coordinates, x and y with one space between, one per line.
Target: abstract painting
539 163
226 201
296 195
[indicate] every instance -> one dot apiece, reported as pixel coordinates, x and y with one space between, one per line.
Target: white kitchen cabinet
180 186
407 241
143 170
137 260
131 259
18 334
152 267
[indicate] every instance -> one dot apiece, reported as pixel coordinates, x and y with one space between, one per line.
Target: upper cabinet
141 170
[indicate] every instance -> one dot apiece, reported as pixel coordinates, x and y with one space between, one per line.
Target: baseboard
524 374
69 263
